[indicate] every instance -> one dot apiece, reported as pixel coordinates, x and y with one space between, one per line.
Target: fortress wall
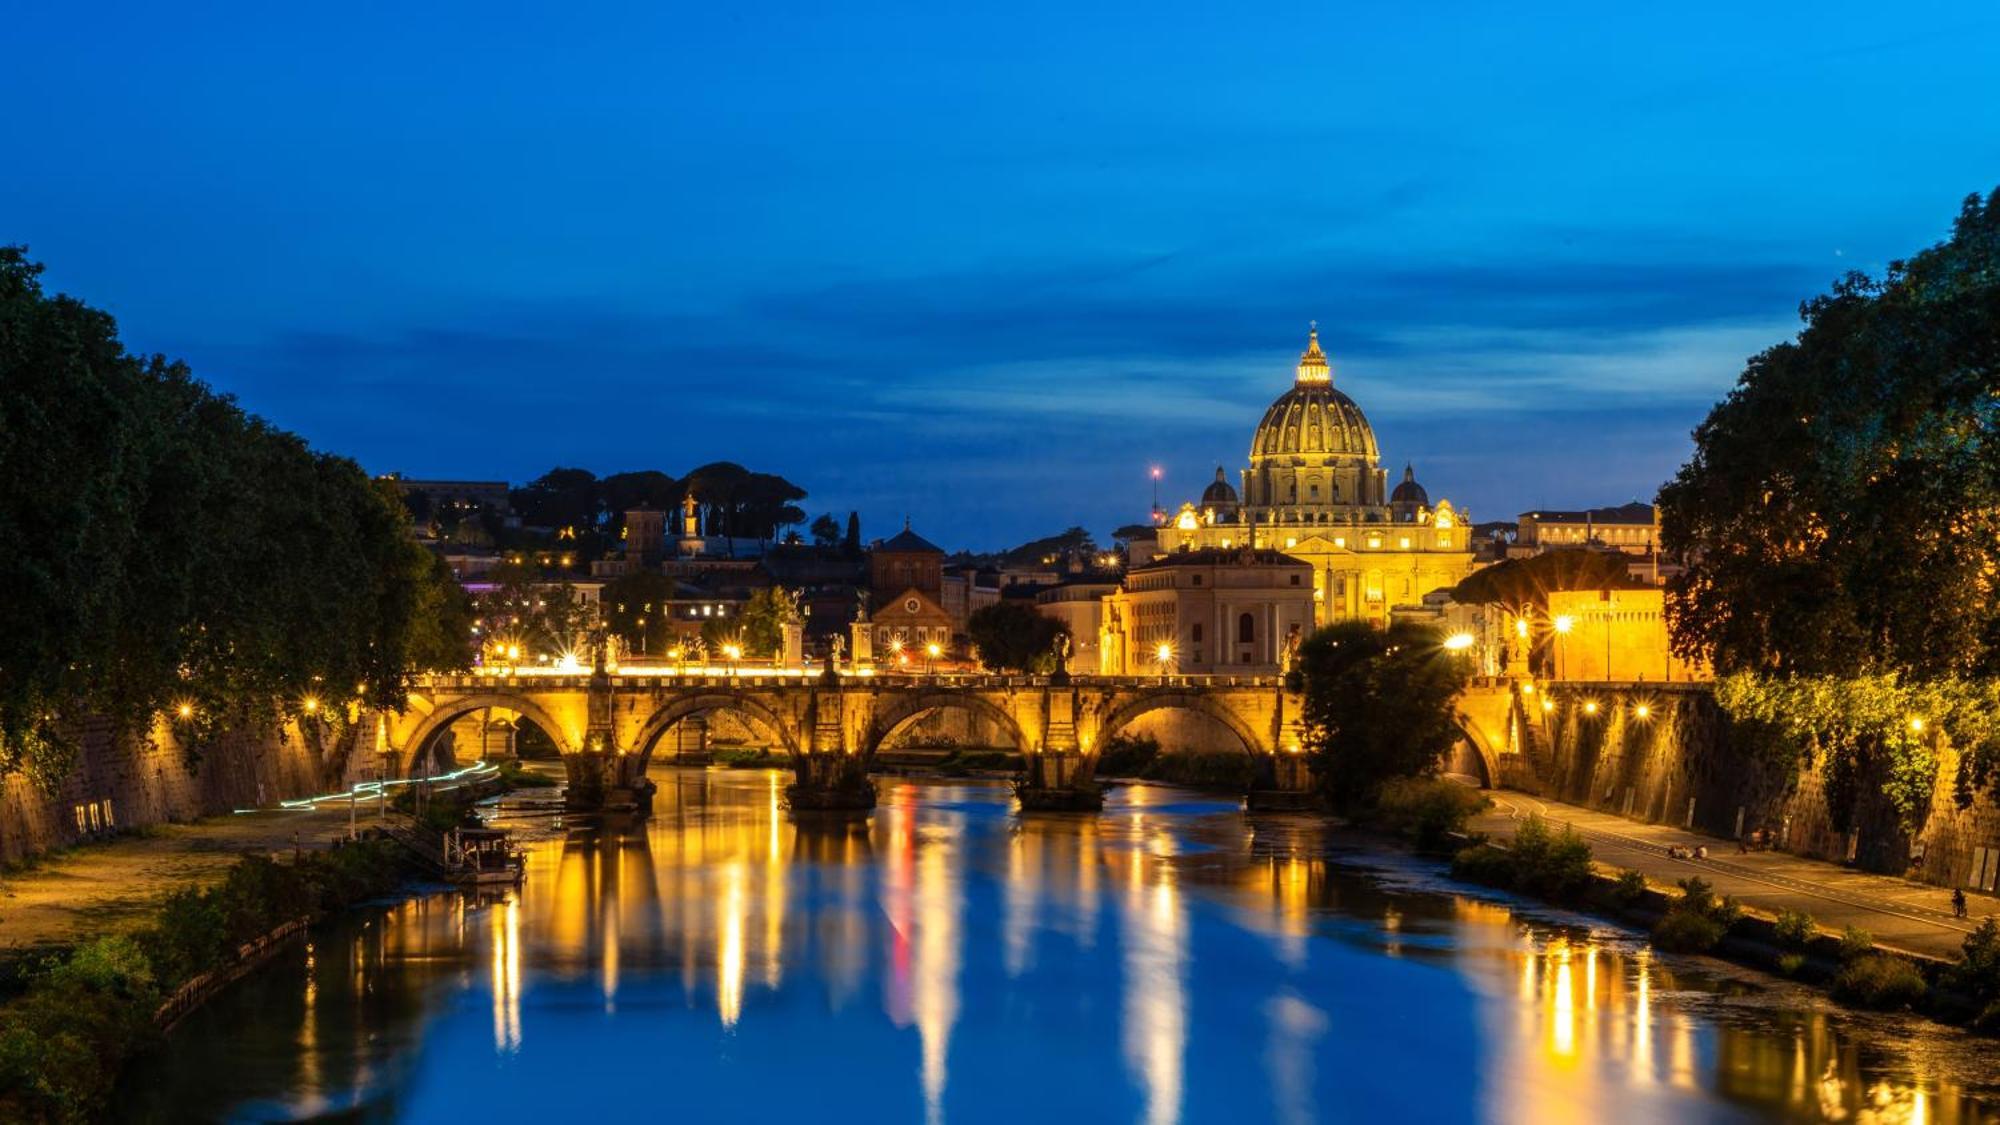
1681 765
134 781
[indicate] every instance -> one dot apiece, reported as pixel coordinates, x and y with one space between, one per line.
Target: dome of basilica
1221 492
1313 420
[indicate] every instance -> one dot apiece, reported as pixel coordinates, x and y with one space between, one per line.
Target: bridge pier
830 781
1291 786
602 781
1059 781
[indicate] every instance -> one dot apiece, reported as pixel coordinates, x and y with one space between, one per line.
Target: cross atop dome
1313 367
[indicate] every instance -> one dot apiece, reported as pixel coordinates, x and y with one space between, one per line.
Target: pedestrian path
1905 915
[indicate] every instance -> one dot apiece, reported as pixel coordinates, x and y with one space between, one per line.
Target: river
946 960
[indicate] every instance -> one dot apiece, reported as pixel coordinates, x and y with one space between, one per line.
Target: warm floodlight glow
933 651
733 652
1458 642
311 705
1590 707
1642 711
185 710
1564 623
1520 626
1164 654
1916 724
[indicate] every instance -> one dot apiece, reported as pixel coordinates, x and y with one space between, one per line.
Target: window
1295 579
1197 579
1246 629
1195 636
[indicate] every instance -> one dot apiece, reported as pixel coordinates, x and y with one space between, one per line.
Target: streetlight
1562 626
931 653
1164 655
1458 642
734 653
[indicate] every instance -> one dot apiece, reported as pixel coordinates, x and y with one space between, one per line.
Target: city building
1206 610
1632 528
1079 605
1615 635
1315 490
906 601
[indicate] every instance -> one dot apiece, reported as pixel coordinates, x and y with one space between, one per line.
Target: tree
1051 549
1379 705
825 531
1841 512
1013 637
540 618
560 498
765 615
850 544
637 610
1525 584
166 550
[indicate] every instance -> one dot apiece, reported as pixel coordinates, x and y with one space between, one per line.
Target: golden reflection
729 948
1153 930
505 940
938 943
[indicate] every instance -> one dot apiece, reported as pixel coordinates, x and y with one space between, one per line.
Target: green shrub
1793 930
1697 921
1687 931
1428 810
1987 1022
745 759
1482 863
1552 865
1203 770
1856 942
1630 889
1789 964
1127 755
1879 981
1977 973
78 1018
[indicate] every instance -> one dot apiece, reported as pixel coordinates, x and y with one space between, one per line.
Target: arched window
1197 633
1246 629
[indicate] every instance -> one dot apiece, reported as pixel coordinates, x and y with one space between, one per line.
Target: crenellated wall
1681 763
132 782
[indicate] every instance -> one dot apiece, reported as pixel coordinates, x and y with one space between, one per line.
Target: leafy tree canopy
166 549
1013 637
1379 705
636 610
1527 583
1841 512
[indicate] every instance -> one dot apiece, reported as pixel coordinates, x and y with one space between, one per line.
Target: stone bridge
607 726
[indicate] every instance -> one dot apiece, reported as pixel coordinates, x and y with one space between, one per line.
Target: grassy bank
77 1017
1556 867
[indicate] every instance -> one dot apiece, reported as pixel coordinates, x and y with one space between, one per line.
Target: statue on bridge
1060 646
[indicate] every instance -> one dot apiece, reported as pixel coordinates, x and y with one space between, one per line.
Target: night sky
984 268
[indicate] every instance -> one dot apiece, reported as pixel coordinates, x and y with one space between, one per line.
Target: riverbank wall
1680 761
123 782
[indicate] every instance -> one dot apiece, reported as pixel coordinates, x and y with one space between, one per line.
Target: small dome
1220 492
1410 492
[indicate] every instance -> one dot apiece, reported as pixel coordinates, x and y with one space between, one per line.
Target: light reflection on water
946 960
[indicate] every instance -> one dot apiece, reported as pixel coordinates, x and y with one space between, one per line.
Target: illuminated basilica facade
1316 491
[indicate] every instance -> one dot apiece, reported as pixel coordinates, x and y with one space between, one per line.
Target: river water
946 960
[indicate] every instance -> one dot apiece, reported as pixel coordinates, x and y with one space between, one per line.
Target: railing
198 989
765 679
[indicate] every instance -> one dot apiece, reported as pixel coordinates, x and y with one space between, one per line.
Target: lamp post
734 653
1164 656
1562 626
931 653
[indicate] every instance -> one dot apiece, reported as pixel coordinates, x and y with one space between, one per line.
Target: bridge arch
906 710
1125 713
701 703
1480 744
449 711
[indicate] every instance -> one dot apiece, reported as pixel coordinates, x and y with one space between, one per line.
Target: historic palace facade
1315 490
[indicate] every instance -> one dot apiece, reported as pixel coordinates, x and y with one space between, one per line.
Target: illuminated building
1208 610
1315 491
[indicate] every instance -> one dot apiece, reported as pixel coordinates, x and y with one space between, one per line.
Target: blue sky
983 266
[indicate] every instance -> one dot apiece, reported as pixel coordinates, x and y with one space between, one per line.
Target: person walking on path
1958 903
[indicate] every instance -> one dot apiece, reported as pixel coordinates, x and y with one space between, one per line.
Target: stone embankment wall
1680 765
136 781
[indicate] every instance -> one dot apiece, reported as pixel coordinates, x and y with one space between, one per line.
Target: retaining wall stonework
1680 765
135 781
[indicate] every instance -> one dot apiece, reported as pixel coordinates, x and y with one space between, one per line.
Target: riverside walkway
1905 915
